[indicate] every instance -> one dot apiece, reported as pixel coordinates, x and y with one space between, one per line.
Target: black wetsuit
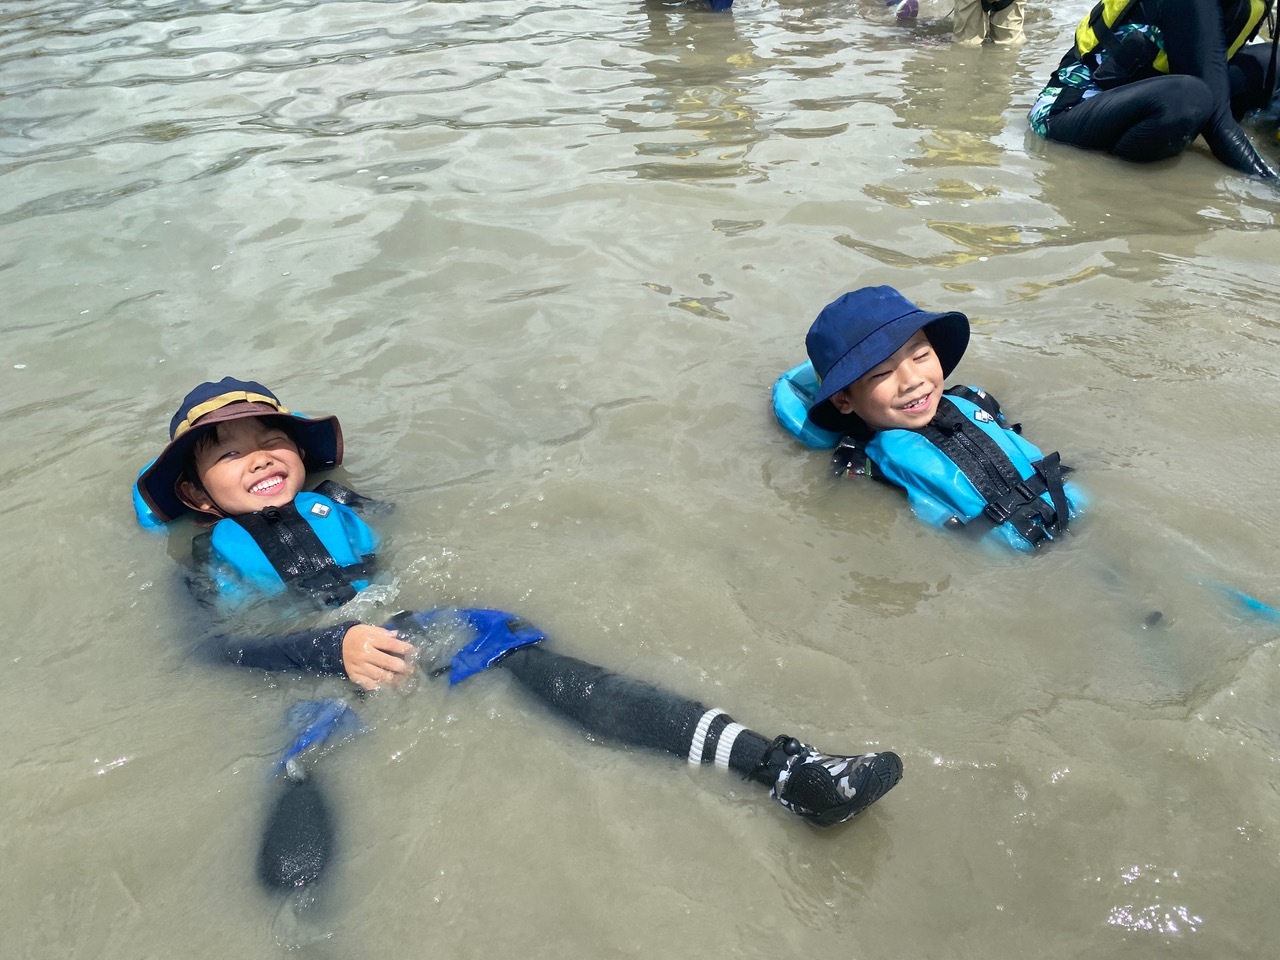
1154 117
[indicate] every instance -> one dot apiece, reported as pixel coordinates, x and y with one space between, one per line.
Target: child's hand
373 656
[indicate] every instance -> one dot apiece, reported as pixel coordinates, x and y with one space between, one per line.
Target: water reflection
959 101
697 90
447 213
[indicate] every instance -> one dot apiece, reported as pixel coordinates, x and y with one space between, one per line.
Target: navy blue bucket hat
860 330
229 399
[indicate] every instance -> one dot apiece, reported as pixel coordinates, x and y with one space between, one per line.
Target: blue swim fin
1249 605
315 722
497 633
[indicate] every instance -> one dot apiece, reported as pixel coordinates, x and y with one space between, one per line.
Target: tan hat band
220 401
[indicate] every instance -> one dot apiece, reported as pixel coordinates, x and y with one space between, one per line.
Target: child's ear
842 402
194 497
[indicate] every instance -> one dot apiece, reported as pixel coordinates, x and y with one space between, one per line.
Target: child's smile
264 488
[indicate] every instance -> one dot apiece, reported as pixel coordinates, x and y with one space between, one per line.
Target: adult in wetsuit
1146 77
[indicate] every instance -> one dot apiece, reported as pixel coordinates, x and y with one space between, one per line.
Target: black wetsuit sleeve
316 651
1196 44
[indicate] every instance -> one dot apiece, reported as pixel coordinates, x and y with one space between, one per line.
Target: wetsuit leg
621 710
823 789
1247 72
1196 45
1152 119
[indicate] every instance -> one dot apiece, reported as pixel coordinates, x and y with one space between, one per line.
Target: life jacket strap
1024 510
299 557
1009 498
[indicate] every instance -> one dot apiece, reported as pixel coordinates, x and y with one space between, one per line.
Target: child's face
900 394
249 465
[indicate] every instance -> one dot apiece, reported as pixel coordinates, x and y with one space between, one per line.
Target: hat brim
948 334
320 440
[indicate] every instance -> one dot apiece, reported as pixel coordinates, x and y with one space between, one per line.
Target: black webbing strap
978 456
995 6
299 556
1009 498
1050 468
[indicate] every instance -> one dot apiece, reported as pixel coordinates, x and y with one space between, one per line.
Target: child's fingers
392 663
371 675
393 644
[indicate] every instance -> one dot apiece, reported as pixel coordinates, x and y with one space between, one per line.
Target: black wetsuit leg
1196 44
1247 72
621 710
1152 119
823 789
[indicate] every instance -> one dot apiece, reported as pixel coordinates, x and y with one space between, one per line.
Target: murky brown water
546 261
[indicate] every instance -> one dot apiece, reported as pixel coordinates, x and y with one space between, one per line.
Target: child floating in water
881 362
239 458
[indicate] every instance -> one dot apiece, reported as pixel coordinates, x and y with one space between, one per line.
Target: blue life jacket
314 545
968 470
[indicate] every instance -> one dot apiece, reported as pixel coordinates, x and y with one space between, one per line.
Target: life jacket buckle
997 512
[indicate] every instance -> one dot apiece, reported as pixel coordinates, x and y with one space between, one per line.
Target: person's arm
317 650
366 655
1195 43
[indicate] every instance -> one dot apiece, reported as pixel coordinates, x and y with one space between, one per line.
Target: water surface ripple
545 261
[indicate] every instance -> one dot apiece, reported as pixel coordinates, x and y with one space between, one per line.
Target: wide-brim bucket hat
320 438
860 330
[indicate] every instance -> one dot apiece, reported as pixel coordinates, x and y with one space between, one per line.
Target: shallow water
545 261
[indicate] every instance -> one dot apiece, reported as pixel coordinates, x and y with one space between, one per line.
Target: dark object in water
1152 619
298 839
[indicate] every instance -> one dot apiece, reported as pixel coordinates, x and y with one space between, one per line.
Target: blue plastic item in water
1250 605
315 722
793 395
499 634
